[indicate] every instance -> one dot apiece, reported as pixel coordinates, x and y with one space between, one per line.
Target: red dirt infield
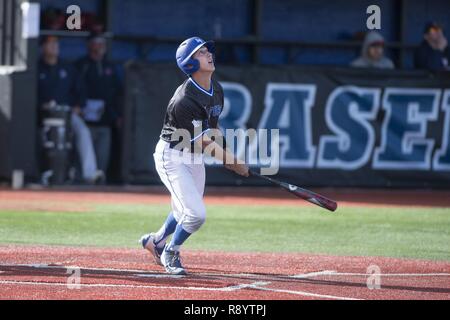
62 199
44 272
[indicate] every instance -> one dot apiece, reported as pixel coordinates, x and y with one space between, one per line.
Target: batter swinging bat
307 195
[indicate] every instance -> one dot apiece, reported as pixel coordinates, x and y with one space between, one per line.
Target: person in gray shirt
372 53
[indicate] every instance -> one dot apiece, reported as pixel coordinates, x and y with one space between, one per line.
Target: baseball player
194 109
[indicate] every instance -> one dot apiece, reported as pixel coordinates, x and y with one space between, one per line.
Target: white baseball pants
185 179
85 147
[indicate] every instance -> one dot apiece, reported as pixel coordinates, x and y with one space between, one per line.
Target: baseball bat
305 194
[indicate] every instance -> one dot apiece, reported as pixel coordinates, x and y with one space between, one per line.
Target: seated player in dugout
101 110
197 103
59 84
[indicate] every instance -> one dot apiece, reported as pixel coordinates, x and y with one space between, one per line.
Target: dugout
18 50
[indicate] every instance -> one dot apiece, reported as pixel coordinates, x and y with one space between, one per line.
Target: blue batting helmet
187 49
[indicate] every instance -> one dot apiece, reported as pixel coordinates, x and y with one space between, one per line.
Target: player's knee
200 215
195 217
193 223
201 220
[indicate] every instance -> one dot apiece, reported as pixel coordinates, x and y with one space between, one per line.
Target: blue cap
187 49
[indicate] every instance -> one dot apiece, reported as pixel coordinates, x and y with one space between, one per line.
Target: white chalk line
306 294
46 266
256 286
137 272
159 276
132 286
383 274
253 285
156 274
313 274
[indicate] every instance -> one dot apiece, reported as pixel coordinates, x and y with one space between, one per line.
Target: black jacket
101 82
60 83
428 58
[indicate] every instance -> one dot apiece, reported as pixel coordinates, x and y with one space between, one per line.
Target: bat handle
253 173
256 174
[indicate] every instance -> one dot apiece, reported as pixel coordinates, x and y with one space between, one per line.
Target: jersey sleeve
188 119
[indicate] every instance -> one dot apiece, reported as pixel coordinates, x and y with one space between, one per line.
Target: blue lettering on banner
236 111
347 114
288 108
441 159
237 106
403 136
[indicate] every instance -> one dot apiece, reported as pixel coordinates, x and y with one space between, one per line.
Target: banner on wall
337 127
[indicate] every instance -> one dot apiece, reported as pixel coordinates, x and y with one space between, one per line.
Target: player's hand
442 43
240 169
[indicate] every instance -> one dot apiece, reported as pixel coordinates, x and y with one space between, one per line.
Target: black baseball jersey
194 109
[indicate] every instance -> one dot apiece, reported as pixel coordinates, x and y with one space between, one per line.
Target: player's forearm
224 156
212 148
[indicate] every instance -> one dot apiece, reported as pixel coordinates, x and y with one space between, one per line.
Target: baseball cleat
147 242
172 262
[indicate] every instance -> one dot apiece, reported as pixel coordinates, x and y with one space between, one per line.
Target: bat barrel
305 194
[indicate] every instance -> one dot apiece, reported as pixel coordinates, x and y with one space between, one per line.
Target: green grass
396 232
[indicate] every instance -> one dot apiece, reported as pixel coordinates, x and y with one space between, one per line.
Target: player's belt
172 144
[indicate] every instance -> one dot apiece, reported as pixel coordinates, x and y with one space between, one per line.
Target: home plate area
50 272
